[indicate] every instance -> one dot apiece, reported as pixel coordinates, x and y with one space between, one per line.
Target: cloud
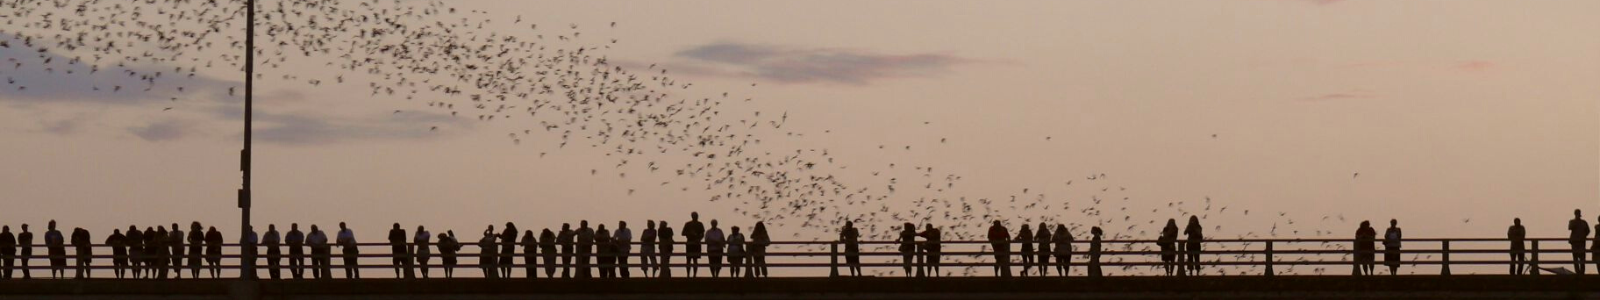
812 65
291 129
164 130
36 78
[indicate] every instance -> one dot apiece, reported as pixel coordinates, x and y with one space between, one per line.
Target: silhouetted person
908 247
716 246
1195 237
489 254
757 248
56 250
119 253
584 238
81 249
25 247
693 232
273 240
931 247
1518 236
647 249
296 241
175 239
1580 233
352 252
321 254
602 250
530 254
135 242
1169 248
664 241
508 249
448 247
566 238
547 248
8 252
158 252
1042 236
1366 248
1063 240
399 249
1000 240
214 251
247 248
736 255
1025 237
1391 247
196 253
419 249
1596 246
622 239
1094 251
851 238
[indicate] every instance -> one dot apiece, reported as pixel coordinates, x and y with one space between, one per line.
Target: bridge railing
1232 257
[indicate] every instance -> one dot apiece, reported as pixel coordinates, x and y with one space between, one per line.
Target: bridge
1231 268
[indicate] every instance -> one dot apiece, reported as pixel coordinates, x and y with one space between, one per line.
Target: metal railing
1231 257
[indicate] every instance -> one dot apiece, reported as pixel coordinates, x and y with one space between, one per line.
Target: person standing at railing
716 244
623 238
156 245
1366 247
908 247
1579 237
197 242
584 237
1193 231
175 241
1596 245
736 255
274 255
119 253
565 238
1094 252
852 248
8 253
448 246
1000 241
399 258
664 239
757 249
214 251
56 249
1025 237
346 239
1169 248
85 254
296 240
931 247
647 248
135 242
530 255
419 246
1042 237
508 249
247 253
321 254
693 232
1064 247
547 248
1517 234
602 250
1391 247
489 254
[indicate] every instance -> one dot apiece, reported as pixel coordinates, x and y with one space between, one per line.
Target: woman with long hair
1168 244
908 247
1063 251
1193 231
759 240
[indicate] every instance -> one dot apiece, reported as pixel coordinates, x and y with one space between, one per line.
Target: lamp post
247 255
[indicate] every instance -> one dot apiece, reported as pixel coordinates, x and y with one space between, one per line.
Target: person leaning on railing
908 247
931 248
852 247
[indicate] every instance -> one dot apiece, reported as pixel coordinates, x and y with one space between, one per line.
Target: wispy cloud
787 64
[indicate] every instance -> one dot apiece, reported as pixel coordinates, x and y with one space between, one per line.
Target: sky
1452 116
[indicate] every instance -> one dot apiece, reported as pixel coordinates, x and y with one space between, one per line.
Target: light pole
248 254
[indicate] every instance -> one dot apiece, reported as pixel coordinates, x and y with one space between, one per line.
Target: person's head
396 225
651 224
1577 213
194 225
443 236
1024 226
663 224
583 224
213 228
1096 231
1043 226
928 226
421 229
566 226
1061 228
52 225
314 228
760 227
527 233
996 223
341 225
713 223
131 228
1172 222
1516 221
113 231
694 216
1194 220
909 226
5 228
1393 222
848 224
272 227
294 226
24 227
174 226
600 227
624 224
735 229
1365 224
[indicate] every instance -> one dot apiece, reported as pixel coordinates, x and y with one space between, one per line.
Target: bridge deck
1326 287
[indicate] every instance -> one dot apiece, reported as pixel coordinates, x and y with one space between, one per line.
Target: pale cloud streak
790 64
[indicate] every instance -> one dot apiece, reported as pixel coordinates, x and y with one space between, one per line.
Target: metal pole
1269 259
247 269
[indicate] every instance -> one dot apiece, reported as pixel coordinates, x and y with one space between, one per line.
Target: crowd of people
160 253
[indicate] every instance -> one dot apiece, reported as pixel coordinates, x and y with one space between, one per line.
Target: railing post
1269 259
1445 269
1534 267
833 260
